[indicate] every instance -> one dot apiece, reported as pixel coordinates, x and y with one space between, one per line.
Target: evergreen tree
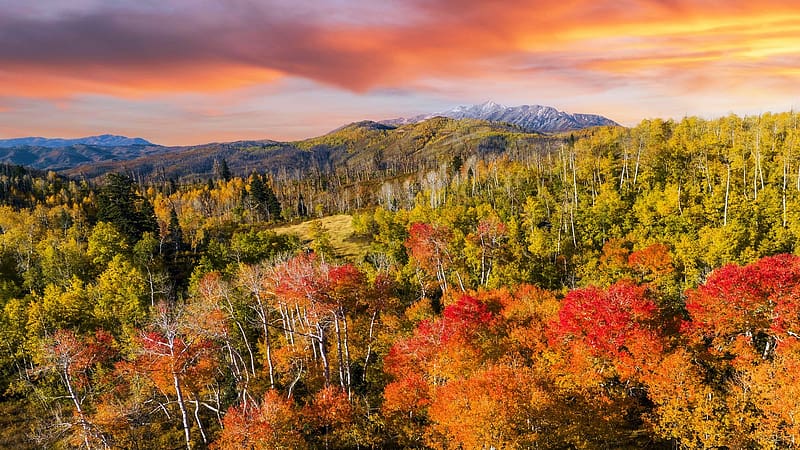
273 204
264 200
222 170
119 203
174 234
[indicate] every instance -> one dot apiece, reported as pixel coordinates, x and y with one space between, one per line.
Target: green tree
264 200
119 203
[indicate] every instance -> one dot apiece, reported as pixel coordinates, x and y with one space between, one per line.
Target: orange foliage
273 424
498 407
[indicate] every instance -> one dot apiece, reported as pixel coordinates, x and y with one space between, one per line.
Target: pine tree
264 200
222 170
119 203
174 233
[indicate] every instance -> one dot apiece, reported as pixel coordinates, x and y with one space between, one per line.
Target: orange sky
192 71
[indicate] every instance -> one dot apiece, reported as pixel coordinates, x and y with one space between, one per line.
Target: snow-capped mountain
545 119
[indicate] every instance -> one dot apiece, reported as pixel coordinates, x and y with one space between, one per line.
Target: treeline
21 187
579 295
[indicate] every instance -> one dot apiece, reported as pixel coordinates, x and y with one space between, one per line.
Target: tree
265 202
428 246
302 209
119 203
616 324
118 298
222 170
321 240
76 361
753 305
271 424
105 243
174 236
331 416
486 242
497 407
179 358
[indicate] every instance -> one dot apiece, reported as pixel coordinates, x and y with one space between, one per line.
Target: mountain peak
489 104
536 118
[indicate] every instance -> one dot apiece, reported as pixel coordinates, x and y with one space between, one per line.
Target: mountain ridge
102 140
358 146
533 118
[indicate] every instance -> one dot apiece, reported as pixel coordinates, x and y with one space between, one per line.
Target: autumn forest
605 288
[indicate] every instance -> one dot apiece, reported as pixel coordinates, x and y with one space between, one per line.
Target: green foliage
119 204
105 242
265 202
321 240
255 246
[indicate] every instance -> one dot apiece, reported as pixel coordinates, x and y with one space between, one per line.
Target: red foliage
465 318
409 395
491 227
76 355
412 354
760 298
317 285
164 357
344 282
426 244
610 322
329 408
301 278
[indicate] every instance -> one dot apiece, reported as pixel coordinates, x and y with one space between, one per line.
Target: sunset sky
194 71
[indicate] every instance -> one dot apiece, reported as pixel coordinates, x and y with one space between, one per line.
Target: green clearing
340 230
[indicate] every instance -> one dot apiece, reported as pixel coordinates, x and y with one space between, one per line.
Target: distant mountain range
535 118
61 154
423 140
361 146
105 140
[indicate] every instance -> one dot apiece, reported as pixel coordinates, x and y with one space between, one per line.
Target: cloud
319 62
131 49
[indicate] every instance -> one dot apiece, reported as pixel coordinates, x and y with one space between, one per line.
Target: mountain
535 118
105 140
360 147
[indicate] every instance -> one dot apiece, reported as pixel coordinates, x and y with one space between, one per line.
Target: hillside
63 158
367 146
361 146
198 161
630 288
339 229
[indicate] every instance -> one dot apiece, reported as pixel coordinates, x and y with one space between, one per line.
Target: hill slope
360 146
63 158
366 146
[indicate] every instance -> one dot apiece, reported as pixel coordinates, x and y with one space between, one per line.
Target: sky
181 72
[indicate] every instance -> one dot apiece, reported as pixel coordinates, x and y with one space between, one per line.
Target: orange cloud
212 45
39 82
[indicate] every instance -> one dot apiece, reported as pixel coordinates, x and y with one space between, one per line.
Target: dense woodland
610 288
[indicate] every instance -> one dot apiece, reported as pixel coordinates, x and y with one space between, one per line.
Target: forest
609 288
